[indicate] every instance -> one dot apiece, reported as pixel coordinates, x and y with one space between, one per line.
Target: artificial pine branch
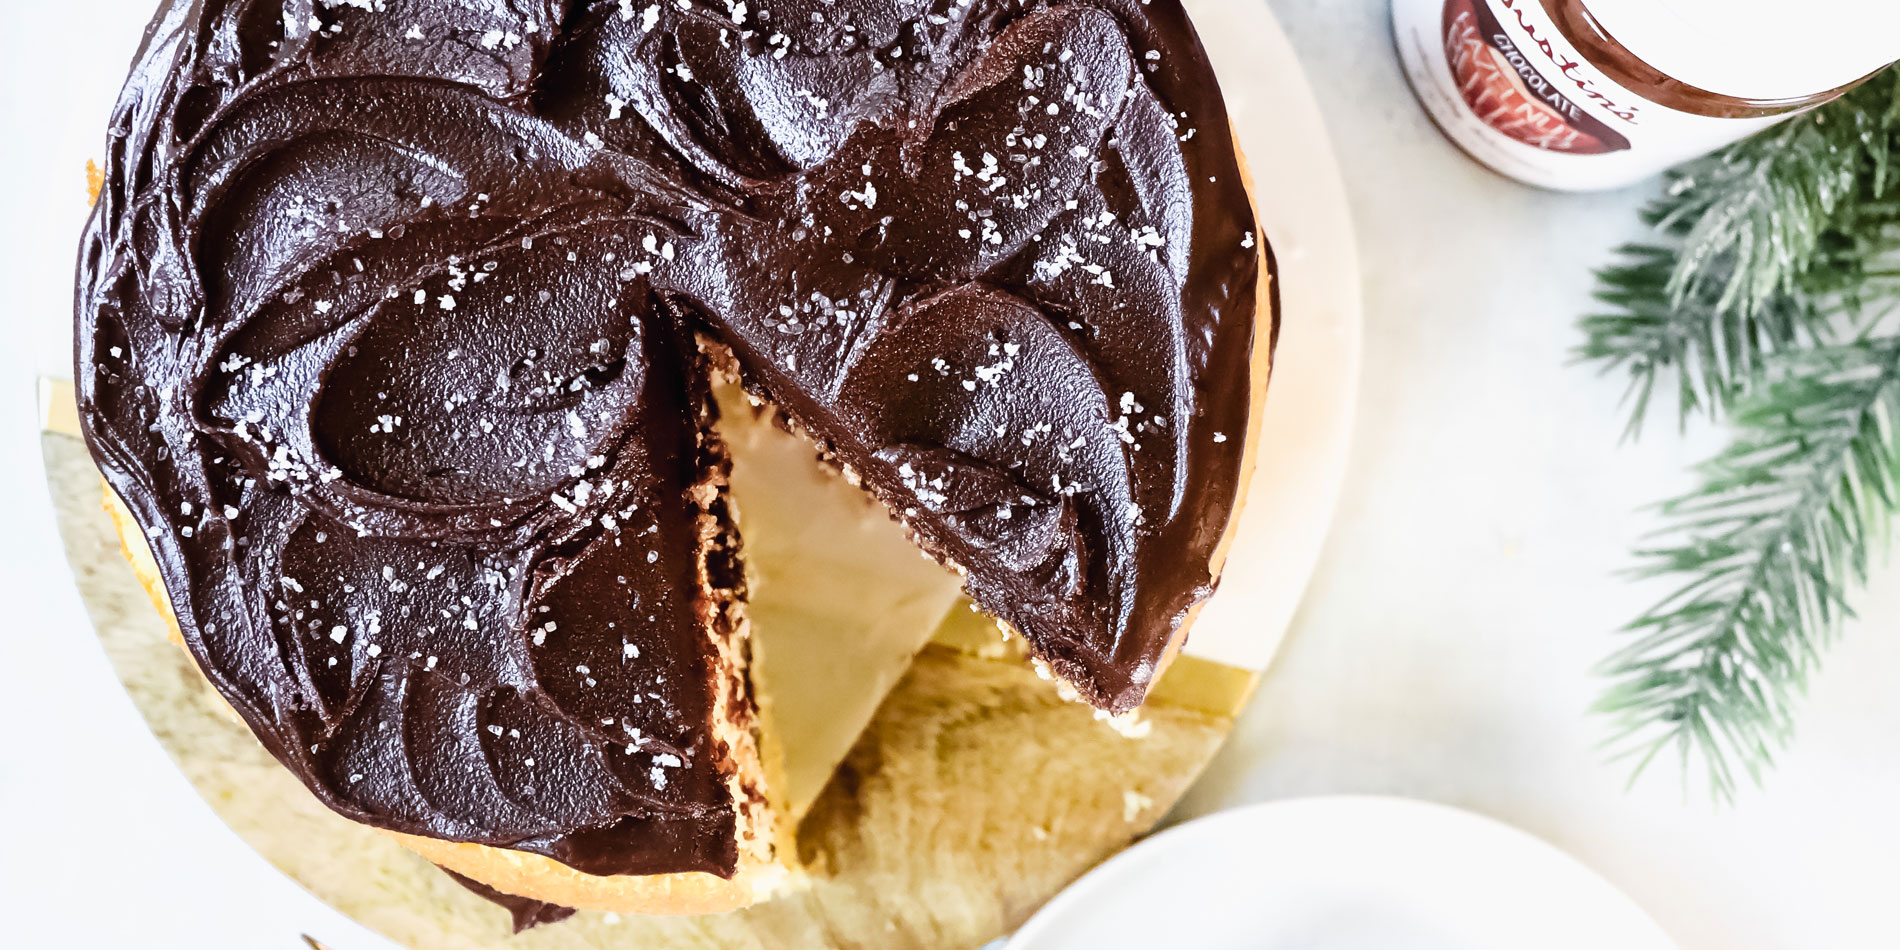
1766 550
1767 296
1749 234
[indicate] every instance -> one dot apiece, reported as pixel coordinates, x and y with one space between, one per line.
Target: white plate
1343 873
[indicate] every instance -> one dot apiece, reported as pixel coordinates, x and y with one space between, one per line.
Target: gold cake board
974 794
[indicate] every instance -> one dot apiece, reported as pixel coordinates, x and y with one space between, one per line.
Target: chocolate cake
396 321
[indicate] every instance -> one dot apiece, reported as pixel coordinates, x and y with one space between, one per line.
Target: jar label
1505 83
1506 91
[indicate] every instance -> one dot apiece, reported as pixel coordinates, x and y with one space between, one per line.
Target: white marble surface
1443 648
1442 652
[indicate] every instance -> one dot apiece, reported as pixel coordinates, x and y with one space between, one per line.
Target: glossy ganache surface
390 331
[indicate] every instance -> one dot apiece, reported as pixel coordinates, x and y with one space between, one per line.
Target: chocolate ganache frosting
396 318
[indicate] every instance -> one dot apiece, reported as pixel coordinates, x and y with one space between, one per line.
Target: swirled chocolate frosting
390 330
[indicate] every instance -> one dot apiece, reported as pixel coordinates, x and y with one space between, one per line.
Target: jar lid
1756 49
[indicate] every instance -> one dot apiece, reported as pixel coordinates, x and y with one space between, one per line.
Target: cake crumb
1134 804
1129 725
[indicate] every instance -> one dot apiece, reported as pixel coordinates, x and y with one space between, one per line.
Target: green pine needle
1713 348
1767 297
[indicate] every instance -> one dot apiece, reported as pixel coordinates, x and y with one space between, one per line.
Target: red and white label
1505 89
1503 82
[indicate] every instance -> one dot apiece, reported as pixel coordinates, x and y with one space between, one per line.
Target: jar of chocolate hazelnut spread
1582 95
